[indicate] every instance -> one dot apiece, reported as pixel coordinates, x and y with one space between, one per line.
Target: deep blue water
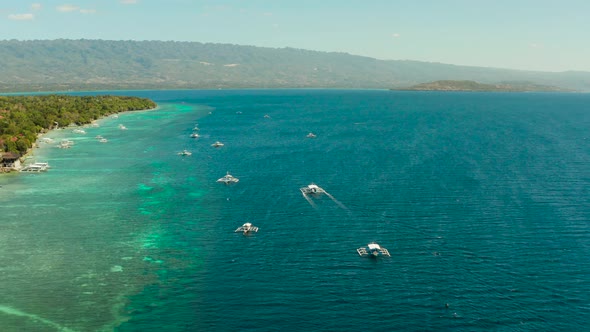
481 198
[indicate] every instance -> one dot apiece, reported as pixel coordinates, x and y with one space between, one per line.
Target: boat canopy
373 246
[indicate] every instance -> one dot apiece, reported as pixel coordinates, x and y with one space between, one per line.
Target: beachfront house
9 161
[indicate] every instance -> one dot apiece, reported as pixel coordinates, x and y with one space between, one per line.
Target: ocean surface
482 199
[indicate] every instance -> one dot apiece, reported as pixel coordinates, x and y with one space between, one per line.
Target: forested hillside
98 64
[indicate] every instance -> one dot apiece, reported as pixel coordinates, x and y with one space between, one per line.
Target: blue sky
518 34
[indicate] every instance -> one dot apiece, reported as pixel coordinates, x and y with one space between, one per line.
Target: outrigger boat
184 153
311 135
312 189
36 167
373 249
217 144
247 228
228 178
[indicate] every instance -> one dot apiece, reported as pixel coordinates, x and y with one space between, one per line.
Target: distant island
451 85
22 118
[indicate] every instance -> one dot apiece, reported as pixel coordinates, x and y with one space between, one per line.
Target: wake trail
310 201
337 201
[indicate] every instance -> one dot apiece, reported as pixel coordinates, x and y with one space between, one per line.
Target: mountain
102 64
447 85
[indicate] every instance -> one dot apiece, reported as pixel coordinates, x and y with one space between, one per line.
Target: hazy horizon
530 36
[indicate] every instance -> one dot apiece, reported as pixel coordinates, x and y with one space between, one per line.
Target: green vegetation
448 85
22 118
62 65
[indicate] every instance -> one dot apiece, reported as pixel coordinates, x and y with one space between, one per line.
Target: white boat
44 165
228 178
217 144
194 135
247 228
185 153
312 189
103 140
122 127
373 249
266 116
114 116
32 169
79 131
311 135
65 144
35 167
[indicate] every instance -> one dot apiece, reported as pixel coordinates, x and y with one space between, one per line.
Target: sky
543 35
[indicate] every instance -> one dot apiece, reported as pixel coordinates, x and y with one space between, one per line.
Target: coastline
37 144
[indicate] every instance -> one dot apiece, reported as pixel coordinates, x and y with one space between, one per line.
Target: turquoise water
482 200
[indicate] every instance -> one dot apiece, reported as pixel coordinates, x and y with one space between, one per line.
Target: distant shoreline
472 86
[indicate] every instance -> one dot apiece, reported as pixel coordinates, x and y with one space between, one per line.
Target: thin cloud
395 35
129 2
21 17
67 8
36 6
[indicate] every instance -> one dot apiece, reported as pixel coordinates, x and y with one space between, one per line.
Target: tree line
22 118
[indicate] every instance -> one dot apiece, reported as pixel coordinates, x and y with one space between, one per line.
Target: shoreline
36 145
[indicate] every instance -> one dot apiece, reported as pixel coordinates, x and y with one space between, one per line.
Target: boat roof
247 224
373 246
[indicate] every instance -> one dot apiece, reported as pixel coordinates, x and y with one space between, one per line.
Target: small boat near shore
247 228
65 144
195 135
311 135
122 127
185 153
373 250
36 167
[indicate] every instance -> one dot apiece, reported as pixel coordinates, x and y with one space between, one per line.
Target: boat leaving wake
314 190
